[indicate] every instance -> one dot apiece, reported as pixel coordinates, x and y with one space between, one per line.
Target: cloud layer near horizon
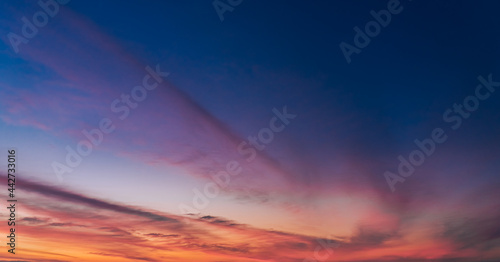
78 227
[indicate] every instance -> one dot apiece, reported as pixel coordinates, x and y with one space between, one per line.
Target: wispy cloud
61 220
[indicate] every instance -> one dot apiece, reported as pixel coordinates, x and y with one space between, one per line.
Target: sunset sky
248 135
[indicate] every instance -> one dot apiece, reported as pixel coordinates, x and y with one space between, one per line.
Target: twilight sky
239 130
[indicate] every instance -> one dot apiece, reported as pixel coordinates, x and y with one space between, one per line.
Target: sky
235 130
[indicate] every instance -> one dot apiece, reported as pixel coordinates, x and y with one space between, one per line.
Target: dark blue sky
287 53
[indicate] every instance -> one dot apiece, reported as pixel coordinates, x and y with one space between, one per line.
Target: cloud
57 217
70 220
161 235
74 94
71 197
33 220
64 225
